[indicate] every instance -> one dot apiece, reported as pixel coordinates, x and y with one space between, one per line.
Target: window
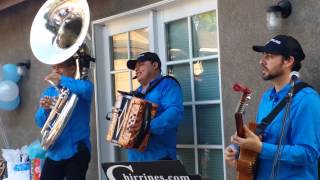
126 46
192 57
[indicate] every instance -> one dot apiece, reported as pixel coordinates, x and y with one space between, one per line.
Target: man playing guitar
289 145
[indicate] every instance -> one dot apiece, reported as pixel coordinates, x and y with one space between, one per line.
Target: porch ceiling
8 3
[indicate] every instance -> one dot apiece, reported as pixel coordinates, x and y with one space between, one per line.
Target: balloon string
3 135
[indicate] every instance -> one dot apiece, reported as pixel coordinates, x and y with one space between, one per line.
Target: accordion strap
150 88
147 114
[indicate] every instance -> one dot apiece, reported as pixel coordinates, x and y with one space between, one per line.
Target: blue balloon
1 74
10 105
10 72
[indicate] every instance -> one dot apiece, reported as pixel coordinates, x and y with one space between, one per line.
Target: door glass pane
204 34
206 80
211 164
120 81
177 40
120 51
185 129
208 124
182 73
139 42
186 156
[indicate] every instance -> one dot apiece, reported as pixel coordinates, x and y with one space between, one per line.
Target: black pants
74 168
166 158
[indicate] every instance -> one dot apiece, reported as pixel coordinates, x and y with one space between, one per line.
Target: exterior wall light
22 67
276 13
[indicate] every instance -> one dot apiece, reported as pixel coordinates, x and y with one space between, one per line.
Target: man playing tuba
69 156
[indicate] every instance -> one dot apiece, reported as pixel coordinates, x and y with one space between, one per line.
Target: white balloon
9 91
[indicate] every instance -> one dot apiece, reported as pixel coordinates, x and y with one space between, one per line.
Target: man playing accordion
167 95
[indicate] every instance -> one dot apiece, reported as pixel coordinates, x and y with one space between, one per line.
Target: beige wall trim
144 8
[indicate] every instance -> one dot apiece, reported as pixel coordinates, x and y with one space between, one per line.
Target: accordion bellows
2 168
130 123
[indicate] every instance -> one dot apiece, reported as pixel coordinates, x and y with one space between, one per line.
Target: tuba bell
57 34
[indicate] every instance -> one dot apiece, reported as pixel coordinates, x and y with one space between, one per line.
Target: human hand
230 155
54 78
251 140
46 102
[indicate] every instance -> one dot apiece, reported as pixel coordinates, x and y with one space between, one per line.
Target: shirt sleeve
83 88
41 114
172 104
303 132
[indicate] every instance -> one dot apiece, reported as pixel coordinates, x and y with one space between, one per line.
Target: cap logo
276 41
141 55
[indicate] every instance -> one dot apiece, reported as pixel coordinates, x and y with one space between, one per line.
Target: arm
42 113
83 88
294 154
172 104
41 117
304 134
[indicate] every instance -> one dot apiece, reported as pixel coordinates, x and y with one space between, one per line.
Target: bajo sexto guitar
247 158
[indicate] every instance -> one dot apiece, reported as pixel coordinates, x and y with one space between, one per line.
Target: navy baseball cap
282 45
146 56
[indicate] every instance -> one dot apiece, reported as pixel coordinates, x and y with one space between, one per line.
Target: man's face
63 69
145 71
272 66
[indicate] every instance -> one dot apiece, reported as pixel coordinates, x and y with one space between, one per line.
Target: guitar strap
268 119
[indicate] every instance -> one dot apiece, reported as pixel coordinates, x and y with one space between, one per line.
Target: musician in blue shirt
69 156
297 157
168 96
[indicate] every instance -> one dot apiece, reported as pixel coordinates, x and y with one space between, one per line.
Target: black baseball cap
146 56
282 45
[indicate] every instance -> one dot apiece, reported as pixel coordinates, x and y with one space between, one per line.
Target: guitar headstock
245 97
241 88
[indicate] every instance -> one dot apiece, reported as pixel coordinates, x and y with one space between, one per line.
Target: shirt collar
279 95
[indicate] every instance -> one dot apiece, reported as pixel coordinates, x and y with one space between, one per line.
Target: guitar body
247 160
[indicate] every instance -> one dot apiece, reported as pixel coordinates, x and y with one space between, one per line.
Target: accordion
3 166
130 121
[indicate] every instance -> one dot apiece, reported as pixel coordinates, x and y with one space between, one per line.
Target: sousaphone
57 34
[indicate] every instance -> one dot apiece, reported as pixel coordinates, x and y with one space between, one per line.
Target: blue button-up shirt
162 143
301 141
78 128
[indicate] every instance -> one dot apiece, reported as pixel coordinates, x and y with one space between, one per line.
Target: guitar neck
239 124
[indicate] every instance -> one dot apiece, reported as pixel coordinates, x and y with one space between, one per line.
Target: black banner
153 170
